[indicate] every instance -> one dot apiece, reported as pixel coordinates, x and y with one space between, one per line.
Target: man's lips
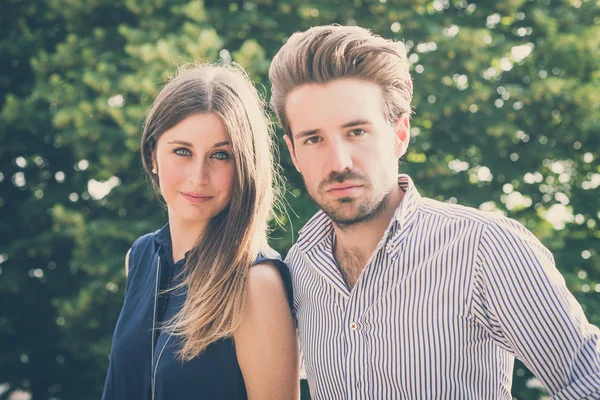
344 190
343 186
196 197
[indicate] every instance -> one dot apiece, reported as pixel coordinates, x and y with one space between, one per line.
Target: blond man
398 296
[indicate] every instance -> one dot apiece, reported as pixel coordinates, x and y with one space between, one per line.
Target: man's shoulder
494 223
293 258
460 212
315 223
318 227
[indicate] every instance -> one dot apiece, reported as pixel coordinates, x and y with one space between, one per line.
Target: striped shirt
446 301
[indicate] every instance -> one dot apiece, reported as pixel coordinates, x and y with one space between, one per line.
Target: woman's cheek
227 179
170 177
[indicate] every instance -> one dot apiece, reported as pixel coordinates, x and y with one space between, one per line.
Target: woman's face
195 168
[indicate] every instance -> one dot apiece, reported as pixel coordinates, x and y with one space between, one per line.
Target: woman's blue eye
182 151
220 155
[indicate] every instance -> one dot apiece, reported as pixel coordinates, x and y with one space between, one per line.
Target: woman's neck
184 235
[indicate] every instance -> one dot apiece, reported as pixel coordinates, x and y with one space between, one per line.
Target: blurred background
507 119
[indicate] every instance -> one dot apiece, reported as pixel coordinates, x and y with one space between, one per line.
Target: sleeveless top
143 361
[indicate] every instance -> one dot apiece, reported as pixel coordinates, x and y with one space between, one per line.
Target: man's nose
340 157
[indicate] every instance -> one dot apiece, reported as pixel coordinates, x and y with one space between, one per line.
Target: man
396 295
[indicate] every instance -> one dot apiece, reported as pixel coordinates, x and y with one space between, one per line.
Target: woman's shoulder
142 250
267 254
143 244
267 265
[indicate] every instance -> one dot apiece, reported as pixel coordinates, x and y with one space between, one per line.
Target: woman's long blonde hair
216 269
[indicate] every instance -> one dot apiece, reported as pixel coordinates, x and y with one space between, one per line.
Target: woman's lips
196 197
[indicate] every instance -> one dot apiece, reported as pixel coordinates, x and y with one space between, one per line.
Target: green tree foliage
506 118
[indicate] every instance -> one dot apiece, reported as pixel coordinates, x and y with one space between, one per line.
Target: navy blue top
214 374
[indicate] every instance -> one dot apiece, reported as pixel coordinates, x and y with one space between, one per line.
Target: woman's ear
154 164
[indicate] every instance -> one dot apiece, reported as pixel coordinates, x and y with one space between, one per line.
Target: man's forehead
333 105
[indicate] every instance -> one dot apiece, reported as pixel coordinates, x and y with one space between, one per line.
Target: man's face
345 149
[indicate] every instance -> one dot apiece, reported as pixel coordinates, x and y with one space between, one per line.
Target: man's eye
357 132
182 151
312 140
221 155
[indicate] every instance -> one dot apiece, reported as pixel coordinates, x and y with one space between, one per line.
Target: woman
206 312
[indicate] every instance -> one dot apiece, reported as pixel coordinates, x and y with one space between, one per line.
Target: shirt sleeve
521 299
289 261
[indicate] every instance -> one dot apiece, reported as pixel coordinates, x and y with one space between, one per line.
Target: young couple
393 295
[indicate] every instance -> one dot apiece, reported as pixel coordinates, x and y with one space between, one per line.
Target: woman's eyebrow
181 142
219 144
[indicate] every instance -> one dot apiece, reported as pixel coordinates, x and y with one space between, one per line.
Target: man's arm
522 300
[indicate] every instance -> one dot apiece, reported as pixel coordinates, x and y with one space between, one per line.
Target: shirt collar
320 227
406 211
162 237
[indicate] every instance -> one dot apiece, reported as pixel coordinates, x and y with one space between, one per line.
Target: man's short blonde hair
326 53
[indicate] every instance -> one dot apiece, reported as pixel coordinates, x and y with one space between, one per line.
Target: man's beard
367 211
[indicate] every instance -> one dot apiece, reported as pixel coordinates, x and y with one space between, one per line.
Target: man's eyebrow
302 134
356 123
350 124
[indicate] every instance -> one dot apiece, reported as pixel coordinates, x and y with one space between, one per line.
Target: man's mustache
340 177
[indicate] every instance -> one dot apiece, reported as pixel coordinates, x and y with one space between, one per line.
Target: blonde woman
207 312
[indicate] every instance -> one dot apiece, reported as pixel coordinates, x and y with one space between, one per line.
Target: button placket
355 362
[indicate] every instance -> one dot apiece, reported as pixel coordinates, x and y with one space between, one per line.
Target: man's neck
360 240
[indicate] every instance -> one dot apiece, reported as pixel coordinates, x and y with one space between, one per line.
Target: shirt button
353 326
358 384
